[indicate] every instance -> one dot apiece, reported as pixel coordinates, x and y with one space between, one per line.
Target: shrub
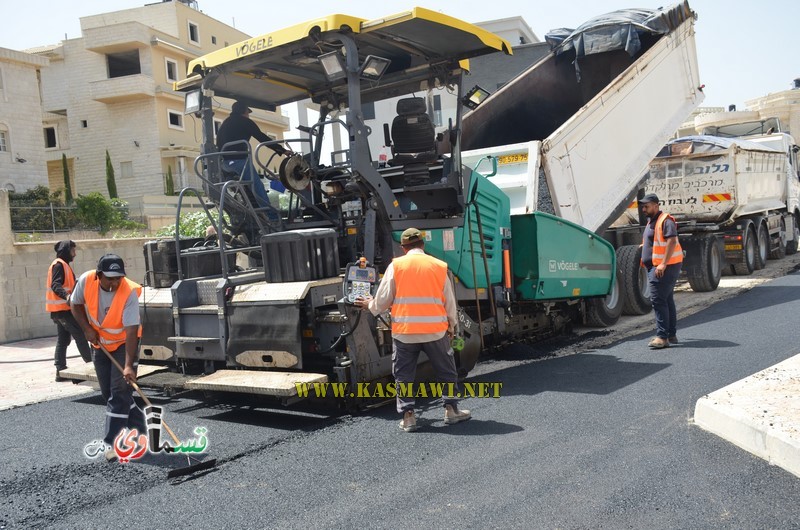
191 225
95 211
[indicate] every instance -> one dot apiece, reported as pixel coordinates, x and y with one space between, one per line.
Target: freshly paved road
601 439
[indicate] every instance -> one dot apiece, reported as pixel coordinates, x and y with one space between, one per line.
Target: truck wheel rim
644 284
783 234
612 299
715 262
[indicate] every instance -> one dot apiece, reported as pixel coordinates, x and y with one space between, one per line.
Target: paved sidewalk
760 414
27 373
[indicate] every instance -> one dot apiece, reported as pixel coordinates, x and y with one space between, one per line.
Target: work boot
60 379
658 343
452 415
409 422
673 340
110 454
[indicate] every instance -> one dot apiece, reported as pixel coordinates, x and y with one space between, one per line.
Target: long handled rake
199 465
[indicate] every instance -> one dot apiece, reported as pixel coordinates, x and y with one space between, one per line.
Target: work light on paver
474 97
334 65
373 68
193 101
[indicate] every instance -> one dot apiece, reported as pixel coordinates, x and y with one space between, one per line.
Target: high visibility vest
418 305
660 244
111 330
53 302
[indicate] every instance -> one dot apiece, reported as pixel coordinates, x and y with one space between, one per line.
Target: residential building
783 105
513 29
111 91
22 157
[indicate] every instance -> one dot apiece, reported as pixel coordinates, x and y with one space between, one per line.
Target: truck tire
604 312
762 246
748 261
634 287
780 251
704 276
791 246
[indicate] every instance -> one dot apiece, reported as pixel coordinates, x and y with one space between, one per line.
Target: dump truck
574 135
736 199
215 322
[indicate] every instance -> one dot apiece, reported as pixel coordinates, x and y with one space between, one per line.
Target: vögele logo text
562 265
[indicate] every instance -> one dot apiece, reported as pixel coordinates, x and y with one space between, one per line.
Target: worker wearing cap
106 304
417 288
60 282
236 127
662 255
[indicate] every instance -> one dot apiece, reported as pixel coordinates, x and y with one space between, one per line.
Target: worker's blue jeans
121 410
244 167
661 295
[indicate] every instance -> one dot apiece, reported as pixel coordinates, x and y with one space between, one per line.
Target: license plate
512 159
733 247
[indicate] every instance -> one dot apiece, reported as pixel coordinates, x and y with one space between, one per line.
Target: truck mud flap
279 384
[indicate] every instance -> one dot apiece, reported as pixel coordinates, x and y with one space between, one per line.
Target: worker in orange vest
106 304
60 282
662 255
424 317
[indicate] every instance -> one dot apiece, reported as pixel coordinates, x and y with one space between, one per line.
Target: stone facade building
22 158
111 90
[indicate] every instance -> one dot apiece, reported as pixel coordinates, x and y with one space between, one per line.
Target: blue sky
745 49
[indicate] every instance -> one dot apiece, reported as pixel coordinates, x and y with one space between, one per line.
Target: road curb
757 414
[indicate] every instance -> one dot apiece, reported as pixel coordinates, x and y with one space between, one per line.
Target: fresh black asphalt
598 439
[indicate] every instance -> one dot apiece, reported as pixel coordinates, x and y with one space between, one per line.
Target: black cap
650 197
111 266
240 107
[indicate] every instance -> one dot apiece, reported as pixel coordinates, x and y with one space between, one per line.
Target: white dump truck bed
710 180
591 139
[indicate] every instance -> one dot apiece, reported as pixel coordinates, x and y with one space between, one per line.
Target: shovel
199 465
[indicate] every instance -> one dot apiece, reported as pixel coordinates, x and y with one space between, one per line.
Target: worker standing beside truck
60 282
662 255
424 317
106 304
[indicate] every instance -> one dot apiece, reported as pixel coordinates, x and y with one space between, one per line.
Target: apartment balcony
126 88
117 37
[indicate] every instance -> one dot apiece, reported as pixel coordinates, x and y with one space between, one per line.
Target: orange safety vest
111 330
53 302
418 305
660 244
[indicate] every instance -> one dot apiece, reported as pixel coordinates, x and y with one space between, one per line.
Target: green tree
110 182
170 182
67 185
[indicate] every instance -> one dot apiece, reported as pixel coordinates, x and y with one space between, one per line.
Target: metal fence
53 219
